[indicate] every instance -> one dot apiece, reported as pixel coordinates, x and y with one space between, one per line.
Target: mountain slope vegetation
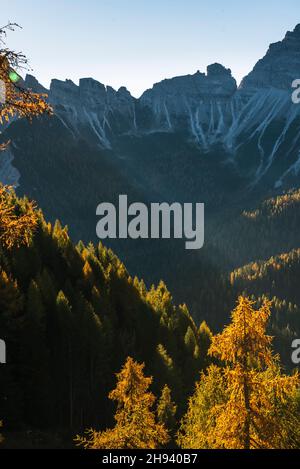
70 315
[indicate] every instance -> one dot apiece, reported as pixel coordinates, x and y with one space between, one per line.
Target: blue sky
136 43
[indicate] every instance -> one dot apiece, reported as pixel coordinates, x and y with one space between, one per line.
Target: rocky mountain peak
32 83
218 70
279 67
205 108
216 83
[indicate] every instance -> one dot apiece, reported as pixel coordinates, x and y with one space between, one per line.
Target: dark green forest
70 315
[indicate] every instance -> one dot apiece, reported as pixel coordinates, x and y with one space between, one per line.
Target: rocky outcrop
90 109
8 173
279 67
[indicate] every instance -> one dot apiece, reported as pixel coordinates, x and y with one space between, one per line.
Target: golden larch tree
18 220
254 407
166 409
136 426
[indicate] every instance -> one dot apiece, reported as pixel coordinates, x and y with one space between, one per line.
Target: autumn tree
18 221
166 409
205 336
135 421
199 421
248 403
15 98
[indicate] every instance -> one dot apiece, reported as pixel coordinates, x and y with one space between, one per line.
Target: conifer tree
135 421
65 354
35 365
190 340
10 297
256 398
199 420
17 221
166 409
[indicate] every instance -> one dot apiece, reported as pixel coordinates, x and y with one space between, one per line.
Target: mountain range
190 138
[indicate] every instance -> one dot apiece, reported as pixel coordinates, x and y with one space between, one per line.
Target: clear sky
136 43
